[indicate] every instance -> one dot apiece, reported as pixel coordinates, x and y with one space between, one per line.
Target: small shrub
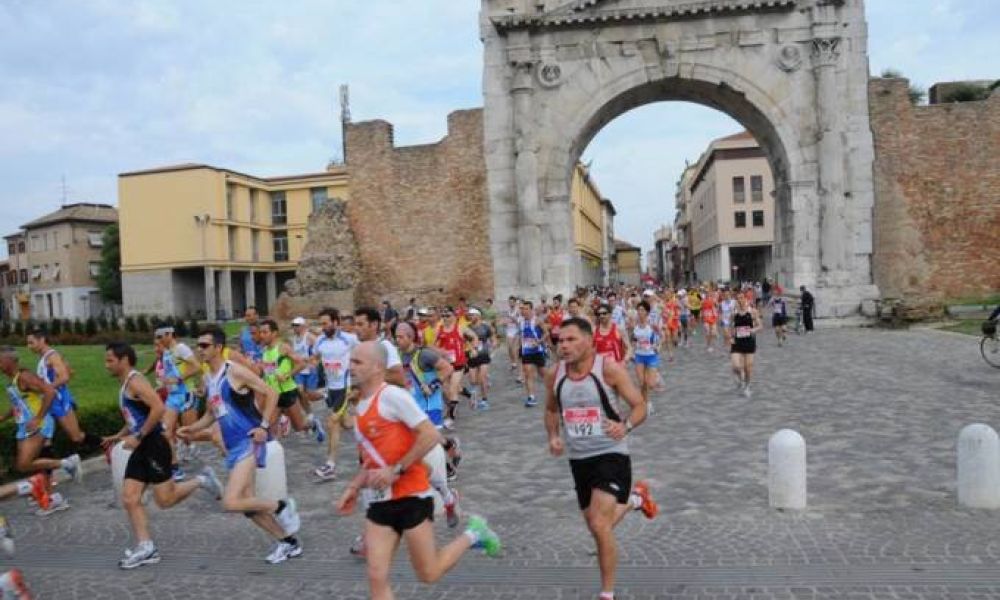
180 328
130 325
142 323
90 327
102 323
5 329
67 325
193 328
78 327
55 327
18 328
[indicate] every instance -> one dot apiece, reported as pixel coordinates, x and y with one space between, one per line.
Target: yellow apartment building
628 259
592 223
204 241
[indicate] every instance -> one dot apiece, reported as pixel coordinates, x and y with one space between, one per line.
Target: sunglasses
205 345
602 313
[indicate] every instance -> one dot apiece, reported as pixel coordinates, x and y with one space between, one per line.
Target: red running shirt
609 344
452 346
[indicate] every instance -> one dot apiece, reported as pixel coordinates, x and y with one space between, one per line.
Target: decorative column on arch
529 234
834 233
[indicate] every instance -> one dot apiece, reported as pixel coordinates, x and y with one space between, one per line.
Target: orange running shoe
648 506
39 489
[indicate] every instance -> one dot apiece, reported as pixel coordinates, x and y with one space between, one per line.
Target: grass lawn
966 326
90 383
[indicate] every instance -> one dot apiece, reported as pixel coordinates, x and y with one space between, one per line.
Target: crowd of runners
399 383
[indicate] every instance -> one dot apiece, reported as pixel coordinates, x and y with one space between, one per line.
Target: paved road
880 412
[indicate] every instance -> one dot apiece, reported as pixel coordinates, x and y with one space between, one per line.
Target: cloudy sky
92 88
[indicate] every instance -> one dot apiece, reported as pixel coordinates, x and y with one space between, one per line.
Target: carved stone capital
825 52
523 76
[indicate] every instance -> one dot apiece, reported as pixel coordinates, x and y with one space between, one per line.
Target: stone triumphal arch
793 72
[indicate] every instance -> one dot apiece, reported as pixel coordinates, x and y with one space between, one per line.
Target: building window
54 273
95 239
253 205
741 219
255 245
36 272
24 276
20 247
758 218
11 248
756 188
739 190
232 243
59 304
36 243
280 246
95 269
319 197
230 198
279 209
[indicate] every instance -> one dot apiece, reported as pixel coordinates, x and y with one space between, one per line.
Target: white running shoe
326 472
56 504
288 518
144 554
73 466
209 481
282 551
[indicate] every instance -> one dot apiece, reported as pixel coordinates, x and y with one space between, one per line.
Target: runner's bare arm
139 388
59 366
551 406
266 396
618 378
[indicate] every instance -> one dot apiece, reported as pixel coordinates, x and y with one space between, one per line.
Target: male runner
179 398
280 365
149 463
244 406
579 399
30 399
608 340
54 371
480 358
368 327
248 345
553 320
510 317
393 436
531 338
307 379
451 343
332 353
779 318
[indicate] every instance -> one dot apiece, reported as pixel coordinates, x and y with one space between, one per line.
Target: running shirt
47 373
531 337
482 331
708 313
727 307
452 346
334 353
247 345
584 404
419 366
431 335
618 316
780 306
385 433
673 315
694 301
510 322
555 318
645 339
743 340
172 360
133 411
235 412
609 344
302 347
275 363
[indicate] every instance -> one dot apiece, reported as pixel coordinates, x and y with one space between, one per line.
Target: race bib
334 368
371 495
19 417
582 422
743 331
270 368
452 357
218 406
645 345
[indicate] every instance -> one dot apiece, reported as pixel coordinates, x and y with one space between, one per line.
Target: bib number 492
582 422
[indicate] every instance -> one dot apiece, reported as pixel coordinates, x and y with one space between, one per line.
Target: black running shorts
611 473
288 399
150 461
336 400
400 515
537 360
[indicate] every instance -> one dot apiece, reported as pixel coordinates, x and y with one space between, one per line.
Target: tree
916 93
109 274
967 92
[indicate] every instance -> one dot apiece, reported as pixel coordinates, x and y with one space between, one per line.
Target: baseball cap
298 321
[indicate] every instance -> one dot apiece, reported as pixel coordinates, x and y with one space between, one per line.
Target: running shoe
6 538
56 504
73 467
530 401
12 586
282 551
465 392
746 391
209 481
454 450
326 472
39 489
452 511
288 518
358 547
319 431
648 507
178 474
483 404
448 424
452 471
486 538
144 554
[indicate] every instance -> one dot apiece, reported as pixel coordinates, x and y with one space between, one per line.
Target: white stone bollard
271 482
786 470
978 467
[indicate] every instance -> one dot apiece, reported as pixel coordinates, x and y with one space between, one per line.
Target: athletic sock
23 487
606 596
473 536
281 506
290 540
635 501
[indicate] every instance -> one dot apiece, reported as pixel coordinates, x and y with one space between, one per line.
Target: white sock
473 536
635 501
66 464
146 545
331 464
23 487
607 596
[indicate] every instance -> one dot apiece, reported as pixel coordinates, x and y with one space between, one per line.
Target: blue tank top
302 347
48 374
645 340
415 375
531 338
236 413
171 369
135 413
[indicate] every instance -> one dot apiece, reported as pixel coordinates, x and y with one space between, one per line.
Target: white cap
298 321
648 292
475 311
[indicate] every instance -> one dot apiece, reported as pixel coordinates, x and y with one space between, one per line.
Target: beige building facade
628 259
54 261
731 210
202 241
593 227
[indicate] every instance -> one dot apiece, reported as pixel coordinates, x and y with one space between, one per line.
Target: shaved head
368 362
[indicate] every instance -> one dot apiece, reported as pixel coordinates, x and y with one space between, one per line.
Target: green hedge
63 332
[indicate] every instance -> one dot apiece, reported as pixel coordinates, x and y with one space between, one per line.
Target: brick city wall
420 214
937 207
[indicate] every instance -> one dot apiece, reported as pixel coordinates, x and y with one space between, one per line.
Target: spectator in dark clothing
808 306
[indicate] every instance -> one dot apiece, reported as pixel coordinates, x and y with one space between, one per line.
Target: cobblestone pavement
880 412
